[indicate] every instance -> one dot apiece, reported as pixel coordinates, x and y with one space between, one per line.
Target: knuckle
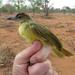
18 56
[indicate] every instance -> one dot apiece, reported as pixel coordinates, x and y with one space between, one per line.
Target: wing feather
43 32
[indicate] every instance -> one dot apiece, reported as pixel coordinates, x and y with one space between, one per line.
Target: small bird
32 31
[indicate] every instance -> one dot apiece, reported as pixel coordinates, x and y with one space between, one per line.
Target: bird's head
20 17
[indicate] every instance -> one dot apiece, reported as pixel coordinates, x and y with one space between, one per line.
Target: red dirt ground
62 25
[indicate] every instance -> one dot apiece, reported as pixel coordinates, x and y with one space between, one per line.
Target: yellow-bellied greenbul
32 31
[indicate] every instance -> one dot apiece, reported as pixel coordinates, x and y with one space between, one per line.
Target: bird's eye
19 16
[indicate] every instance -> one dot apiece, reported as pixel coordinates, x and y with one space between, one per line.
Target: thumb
24 56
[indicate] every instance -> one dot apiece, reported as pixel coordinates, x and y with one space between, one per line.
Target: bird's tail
63 52
66 52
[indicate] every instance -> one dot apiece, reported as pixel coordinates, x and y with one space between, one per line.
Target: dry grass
6 56
6 59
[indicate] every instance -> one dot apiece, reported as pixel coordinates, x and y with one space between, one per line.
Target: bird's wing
43 32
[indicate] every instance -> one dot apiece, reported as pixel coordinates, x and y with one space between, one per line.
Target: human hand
37 56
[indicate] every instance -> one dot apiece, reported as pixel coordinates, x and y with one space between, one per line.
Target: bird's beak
11 18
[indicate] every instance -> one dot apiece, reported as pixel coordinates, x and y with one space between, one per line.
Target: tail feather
58 53
61 53
66 53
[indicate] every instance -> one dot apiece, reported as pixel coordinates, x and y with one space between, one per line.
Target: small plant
6 56
6 59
